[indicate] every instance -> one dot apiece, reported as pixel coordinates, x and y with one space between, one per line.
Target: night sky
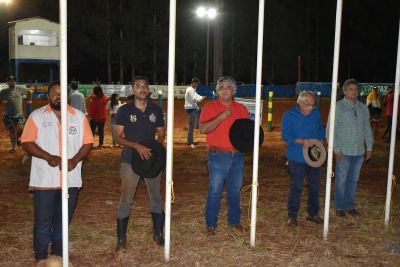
292 29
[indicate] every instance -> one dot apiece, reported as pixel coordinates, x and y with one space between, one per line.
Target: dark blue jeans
93 125
48 220
224 168
297 172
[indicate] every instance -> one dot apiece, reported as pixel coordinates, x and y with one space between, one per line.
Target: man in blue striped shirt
353 141
299 125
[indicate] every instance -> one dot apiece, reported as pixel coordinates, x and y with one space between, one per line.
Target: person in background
389 113
41 139
225 163
299 125
13 115
76 98
192 109
375 110
352 145
97 113
113 106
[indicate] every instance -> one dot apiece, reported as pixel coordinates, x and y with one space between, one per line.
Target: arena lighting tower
209 14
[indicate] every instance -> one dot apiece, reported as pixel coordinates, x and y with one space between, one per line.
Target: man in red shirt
225 163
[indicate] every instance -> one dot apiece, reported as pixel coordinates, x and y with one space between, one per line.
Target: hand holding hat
314 152
149 160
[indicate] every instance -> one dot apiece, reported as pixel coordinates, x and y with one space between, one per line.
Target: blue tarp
324 88
286 90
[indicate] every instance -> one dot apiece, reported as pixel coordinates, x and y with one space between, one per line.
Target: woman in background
97 112
113 106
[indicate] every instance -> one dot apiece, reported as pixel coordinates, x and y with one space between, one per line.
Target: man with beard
41 138
13 118
137 121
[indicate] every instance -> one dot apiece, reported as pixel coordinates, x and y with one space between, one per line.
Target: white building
34 52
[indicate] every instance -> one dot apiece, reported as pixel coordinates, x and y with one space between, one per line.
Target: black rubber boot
122 226
158 225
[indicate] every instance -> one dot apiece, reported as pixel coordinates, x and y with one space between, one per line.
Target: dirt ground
351 241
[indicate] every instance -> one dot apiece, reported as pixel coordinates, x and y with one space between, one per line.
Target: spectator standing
192 109
13 117
113 106
97 112
76 98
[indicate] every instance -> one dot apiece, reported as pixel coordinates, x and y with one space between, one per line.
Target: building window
37 38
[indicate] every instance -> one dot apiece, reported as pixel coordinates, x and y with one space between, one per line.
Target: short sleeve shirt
219 137
13 97
138 125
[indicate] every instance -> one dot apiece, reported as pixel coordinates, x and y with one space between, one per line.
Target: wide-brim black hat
241 135
315 155
152 167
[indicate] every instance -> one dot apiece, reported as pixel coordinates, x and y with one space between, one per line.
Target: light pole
209 14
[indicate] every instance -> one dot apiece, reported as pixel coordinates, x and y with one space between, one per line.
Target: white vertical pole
64 157
332 116
254 186
170 126
393 135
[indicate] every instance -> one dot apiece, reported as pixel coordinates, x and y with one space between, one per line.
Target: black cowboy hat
152 167
315 155
241 135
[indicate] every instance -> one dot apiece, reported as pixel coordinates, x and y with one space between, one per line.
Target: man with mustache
41 138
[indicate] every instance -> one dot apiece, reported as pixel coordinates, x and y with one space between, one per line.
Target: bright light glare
201 12
211 13
5 1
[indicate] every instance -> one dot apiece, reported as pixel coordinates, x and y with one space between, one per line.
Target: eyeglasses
354 111
311 106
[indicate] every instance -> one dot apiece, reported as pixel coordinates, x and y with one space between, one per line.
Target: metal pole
64 155
208 50
393 136
254 187
170 126
329 172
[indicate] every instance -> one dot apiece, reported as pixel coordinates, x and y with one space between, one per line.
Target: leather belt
222 150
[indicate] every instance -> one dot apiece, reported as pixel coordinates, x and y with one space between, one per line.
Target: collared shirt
192 98
353 132
297 126
44 128
13 97
219 137
138 125
78 100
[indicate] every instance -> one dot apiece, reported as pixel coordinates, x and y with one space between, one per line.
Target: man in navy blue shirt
137 121
299 125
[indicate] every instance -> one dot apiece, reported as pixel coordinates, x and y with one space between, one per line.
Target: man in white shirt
193 110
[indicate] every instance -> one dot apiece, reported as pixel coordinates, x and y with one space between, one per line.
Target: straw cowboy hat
152 167
314 155
241 135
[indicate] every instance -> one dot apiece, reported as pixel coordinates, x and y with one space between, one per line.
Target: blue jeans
224 167
48 220
346 178
297 172
194 115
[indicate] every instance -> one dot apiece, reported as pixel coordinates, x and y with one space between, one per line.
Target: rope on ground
247 188
172 192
